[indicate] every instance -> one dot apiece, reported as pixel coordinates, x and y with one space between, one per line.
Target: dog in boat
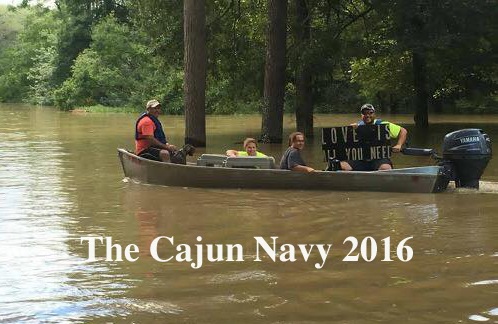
180 156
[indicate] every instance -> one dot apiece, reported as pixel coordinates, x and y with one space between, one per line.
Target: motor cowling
467 152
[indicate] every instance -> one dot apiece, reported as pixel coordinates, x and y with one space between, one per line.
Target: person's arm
302 168
146 128
154 142
296 163
232 153
403 133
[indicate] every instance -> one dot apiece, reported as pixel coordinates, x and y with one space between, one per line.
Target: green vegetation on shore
114 55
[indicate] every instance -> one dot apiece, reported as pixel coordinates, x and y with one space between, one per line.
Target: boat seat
212 160
251 162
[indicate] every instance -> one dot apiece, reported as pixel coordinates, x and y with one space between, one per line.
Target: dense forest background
119 53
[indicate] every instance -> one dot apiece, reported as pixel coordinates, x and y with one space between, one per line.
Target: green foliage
26 64
236 50
78 17
107 109
11 23
162 21
120 53
169 88
483 104
219 102
458 39
40 76
116 70
375 77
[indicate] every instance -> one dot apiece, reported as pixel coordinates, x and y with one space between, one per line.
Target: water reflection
60 180
229 216
32 226
42 280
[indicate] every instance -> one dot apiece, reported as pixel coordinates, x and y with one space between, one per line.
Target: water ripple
242 276
478 318
39 271
484 282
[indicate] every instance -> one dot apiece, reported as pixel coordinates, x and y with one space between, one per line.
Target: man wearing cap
395 132
150 140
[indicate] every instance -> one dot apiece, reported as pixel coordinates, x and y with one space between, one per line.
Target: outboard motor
466 152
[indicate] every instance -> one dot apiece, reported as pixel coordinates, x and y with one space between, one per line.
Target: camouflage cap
152 104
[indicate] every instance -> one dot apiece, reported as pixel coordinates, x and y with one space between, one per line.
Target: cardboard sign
368 142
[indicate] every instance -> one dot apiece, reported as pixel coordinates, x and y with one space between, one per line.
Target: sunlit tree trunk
274 86
304 102
195 64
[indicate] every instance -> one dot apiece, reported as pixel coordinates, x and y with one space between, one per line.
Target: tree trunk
437 105
304 99
421 117
274 87
195 64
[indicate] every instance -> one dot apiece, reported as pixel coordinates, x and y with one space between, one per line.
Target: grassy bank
107 109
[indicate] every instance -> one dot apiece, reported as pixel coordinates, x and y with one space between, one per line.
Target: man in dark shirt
395 132
292 160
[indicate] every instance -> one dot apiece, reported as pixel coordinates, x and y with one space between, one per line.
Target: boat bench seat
251 162
212 160
248 162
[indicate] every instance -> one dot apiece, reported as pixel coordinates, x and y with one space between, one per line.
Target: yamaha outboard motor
467 153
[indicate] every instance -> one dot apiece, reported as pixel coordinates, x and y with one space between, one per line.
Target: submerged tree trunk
304 99
274 87
437 105
195 64
421 117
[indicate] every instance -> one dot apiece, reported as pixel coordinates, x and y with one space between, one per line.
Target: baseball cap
367 107
152 103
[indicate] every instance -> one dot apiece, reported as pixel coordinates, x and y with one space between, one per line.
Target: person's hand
231 153
355 125
170 147
396 148
308 169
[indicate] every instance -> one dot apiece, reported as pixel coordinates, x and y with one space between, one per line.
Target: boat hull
421 179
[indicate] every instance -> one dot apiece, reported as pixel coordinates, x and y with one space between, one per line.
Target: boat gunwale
381 173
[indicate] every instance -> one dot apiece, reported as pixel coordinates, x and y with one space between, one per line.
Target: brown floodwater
60 180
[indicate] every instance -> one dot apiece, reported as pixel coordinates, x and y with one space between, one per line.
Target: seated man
395 132
292 160
250 149
150 140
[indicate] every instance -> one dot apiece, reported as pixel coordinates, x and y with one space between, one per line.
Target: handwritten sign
368 142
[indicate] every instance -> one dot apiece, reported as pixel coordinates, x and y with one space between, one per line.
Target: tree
195 62
450 47
163 22
26 63
78 17
414 24
274 84
116 70
236 55
304 102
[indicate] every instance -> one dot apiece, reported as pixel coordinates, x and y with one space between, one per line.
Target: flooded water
61 181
